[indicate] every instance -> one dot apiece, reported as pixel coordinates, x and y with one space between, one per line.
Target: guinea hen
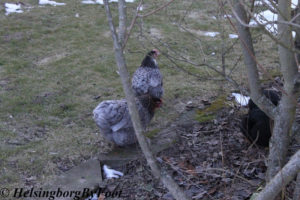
256 125
147 79
113 118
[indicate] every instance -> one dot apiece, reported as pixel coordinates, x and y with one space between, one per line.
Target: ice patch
12 8
49 2
241 99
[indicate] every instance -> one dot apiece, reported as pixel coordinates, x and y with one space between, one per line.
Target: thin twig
156 10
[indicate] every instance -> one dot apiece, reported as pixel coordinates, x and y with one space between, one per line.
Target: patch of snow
266 17
264 2
49 2
141 8
12 8
76 15
293 34
88 2
213 53
233 36
241 99
269 4
229 16
211 34
111 173
294 3
101 1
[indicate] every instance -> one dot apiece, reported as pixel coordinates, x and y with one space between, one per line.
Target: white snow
267 16
101 1
49 2
141 8
241 99
294 3
12 8
111 173
267 2
229 16
211 34
232 36
88 2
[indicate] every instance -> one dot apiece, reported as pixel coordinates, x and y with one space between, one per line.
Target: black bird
256 125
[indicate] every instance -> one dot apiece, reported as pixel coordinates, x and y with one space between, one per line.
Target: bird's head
150 59
154 53
157 102
149 102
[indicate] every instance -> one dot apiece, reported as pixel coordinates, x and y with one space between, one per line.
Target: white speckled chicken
113 118
147 79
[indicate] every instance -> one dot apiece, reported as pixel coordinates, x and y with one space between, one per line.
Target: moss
210 112
151 134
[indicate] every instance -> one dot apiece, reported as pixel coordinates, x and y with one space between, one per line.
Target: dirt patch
14 36
51 59
204 33
156 33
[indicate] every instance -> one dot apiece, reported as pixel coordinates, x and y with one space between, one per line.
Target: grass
53 65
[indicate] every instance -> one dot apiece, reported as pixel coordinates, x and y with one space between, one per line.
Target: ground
210 160
57 64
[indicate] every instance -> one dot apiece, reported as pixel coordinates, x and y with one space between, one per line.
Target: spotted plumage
114 122
147 79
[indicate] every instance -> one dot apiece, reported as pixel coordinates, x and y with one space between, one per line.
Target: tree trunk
122 21
287 107
166 179
282 178
250 62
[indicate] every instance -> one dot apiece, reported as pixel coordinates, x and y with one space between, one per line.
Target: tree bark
296 195
287 107
166 179
282 178
250 62
122 21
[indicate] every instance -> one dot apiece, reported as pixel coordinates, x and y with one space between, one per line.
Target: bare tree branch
131 25
156 10
121 63
282 178
122 21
